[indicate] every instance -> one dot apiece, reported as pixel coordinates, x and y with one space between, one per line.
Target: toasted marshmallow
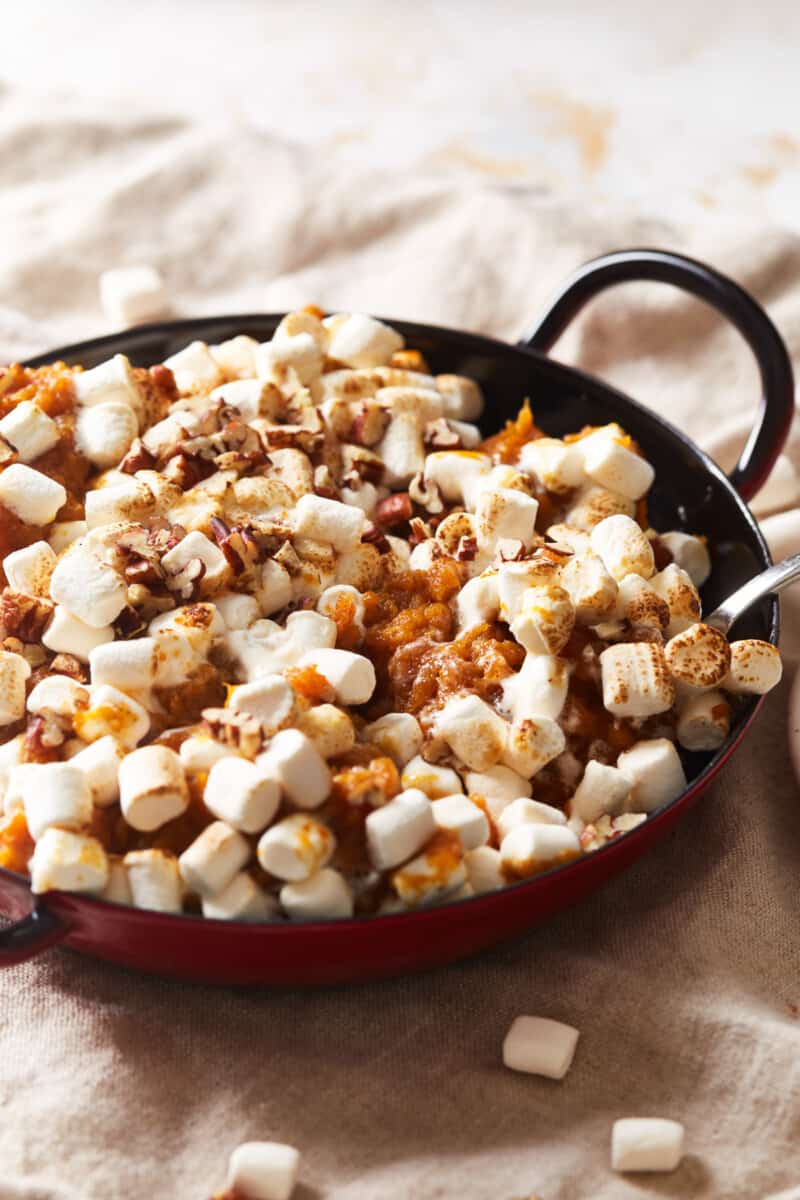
100 763
152 787
250 397
527 812
456 473
538 689
352 676
154 880
194 368
28 570
118 887
199 753
326 896
56 795
209 864
263 1170
196 624
755 667
704 720
345 606
360 341
237 609
109 380
611 464
330 729
123 500
623 547
484 869
29 430
269 699
11 753
463 818
462 398
399 829
544 622
68 862
699 657
577 541
241 793
112 712
676 587
497 787
592 590
88 589
30 495
104 433
555 464
62 534
594 504
429 778
689 553
14 670
505 513
602 789
539 1046
402 450
236 357
266 649
646 1144
340 525
58 694
532 743
639 603
514 579
473 731
197 545
398 735
532 846
437 871
636 680
478 601
130 295
241 900
296 847
294 760
657 774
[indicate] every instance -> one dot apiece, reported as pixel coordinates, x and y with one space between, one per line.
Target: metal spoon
774 579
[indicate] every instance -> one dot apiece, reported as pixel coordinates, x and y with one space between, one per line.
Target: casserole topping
284 637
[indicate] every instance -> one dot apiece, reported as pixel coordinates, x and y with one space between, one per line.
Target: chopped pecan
142 571
467 549
138 458
369 425
419 531
372 536
239 545
394 510
128 623
440 435
187 470
425 494
68 664
235 729
24 617
510 550
185 583
288 557
44 737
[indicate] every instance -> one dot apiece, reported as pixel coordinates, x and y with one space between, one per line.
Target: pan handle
776 409
31 936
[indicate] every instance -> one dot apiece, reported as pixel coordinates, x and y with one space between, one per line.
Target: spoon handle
774 579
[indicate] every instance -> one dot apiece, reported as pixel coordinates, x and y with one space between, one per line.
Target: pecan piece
138 458
68 664
467 549
24 617
425 494
440 435
394 510
372 536
234 729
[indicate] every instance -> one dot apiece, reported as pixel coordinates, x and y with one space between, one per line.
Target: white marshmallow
690 553
197 545
154 880
615 466
326 896
594 504
639 603
118 888
592 590
538 689
30 495
242 793
527 812
297 764
433 780
241 900
462 398
646 1144
130 666
402 450
275 590
699 657
505 513
250 397
361 341
59 694
462 817
68 635
28 570
68 862
152 787
478 601
574 540
676 587
657 774
109 380
88 589
352 676
514 579
236 357
602 789
557 465
636 681
755 667
623 547
263 1170
456 473
209 864
100 763
130 295
398 735
532 743
104 432
472 730
29 430
237 609
340 525
330 729
269 699
14 670
112 712
194 368
437 872
11 753
539 1046
704 720
544 622
531 847
196 624
127 499
63 534
296 847
498 787
56 794
484 869
399 829
199 753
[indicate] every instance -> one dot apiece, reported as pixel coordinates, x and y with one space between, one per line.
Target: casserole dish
690 493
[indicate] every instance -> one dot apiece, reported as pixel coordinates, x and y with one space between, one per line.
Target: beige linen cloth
683 975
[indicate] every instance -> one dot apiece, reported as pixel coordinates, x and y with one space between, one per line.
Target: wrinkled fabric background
349 161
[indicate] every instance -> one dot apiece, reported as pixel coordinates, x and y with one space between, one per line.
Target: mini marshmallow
28 570
498 787
194 368
58 694
269 699
699 657
514 579
398 735
456 473
241 900
361 341
250 397
592 590
88 589
646 1144
196 624
199 753
636 680
602 789
62 534
67 635
478 601
484 869
11 753
690 553
555 464
14 670
152 787
473 731
68 862
544 622
56 795
326 896
594 504
532 743
433 780
263 1171
352 676
657 774
505 513
639 603
130 666
399 829
118 888
704 720
677 589
242 793
463 818
123 500
538 689
236 357
297 764
29 430
343 602
611 464
623 547
104 432
154 880
109 380
402 450
100 763
539 1046
296 848
527 812
330 729
237 609
112 712
30 495
532 846
209 864
436 872
462 398
197 545
755 667
340 525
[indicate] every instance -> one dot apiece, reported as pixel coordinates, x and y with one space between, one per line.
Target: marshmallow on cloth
646 1144
539 1046
263 1171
